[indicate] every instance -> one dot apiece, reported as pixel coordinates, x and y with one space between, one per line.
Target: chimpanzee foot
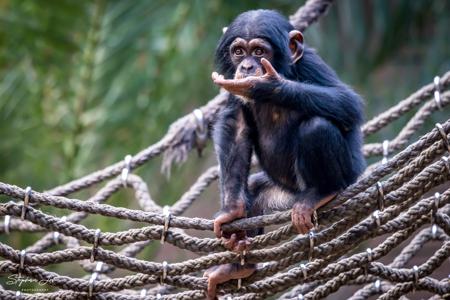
222 273
302 213
301 217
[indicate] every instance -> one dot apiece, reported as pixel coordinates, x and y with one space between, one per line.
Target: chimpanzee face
246 56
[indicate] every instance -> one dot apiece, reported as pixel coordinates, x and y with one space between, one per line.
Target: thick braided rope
344 225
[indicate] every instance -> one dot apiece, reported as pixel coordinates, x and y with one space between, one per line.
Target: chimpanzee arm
233 148
337 103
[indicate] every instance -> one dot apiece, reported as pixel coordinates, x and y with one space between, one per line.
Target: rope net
394 197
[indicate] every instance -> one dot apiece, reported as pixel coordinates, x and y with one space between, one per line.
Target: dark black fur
313 149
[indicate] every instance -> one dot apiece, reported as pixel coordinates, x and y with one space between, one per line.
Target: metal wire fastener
239 283
143 293
166 213
447 163
158 296
56 233
385 151
98 267
21 261
300 297
444 136
164 273
311 244
201 132
315 219
377 285
244 252
369 254
95 245
26 201
303 268
437 92
7 223
434 231
376 216
126 170
416 274
369 259
18 295
435 208
91 283
380 196
224 29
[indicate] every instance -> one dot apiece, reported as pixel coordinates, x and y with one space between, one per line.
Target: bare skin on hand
242 86
234 241
302 214
223 273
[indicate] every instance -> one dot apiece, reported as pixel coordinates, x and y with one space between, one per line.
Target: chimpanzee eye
258 51
238 51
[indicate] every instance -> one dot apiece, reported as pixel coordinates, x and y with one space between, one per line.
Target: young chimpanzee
301 120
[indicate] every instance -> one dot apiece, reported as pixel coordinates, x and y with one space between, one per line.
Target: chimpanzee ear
296 45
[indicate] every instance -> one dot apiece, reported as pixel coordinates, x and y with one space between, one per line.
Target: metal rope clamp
242 262
416 277
201 132
380 196
21 261
303 268
376 216
143 293
167 215
437 92
315 219
369 260
385 151
95 245
98 268
444 136
434 231
435 208
311 244
7 224
56 233
164 272
447 163
300 297
126 170
26 201
377 286
18 295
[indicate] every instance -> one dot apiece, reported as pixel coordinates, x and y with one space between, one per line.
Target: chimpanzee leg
324 163
265 197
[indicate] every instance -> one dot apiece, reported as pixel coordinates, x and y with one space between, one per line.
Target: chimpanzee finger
231 242
270 70
218 221
241 246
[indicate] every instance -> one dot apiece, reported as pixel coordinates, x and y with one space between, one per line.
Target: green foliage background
83 83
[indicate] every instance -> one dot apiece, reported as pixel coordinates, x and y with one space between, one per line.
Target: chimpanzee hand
245 86
235 241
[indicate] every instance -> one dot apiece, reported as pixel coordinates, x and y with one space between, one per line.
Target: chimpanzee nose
247 67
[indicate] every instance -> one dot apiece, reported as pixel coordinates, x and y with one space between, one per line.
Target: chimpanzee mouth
242 75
